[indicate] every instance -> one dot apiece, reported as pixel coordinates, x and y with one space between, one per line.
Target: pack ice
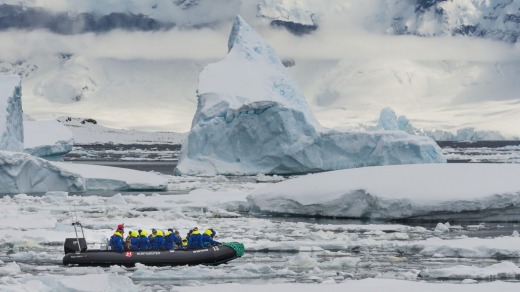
21 172
253 118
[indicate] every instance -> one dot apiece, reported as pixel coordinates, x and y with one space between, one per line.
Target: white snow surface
367 285
287 10
11 115
85 131
22 172
263 124
398 191
99 177
47 138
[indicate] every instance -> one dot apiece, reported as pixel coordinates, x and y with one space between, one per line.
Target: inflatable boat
76 253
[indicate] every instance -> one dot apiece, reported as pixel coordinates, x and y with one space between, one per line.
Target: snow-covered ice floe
503 270
419 191
498 247
118 179
253 118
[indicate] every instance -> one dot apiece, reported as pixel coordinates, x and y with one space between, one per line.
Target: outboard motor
75 245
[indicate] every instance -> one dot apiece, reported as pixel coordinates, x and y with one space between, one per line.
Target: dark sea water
163 158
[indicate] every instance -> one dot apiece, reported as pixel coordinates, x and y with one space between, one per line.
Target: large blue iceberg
253 118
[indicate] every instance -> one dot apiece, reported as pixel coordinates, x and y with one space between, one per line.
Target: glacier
11 116
498 20
253 118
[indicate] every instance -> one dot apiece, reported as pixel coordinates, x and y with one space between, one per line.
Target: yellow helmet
208 232
160 233
133 233
143 233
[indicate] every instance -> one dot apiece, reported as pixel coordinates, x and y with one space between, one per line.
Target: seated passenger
184 243
144 242
169 239
207 238
158 241
134 240
154 233
195 240
177 240
116 241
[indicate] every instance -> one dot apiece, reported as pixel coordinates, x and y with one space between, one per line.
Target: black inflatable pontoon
76 253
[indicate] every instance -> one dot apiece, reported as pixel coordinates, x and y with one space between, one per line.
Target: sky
348 30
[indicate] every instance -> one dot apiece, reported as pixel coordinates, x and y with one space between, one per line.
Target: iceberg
47 138
253 118
11 116
24 173
388 120
483 192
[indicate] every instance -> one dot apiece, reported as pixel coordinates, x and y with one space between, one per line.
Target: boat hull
207 256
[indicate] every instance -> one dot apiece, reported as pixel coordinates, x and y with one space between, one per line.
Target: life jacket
144 243
158 241
195 240
116 242
134 240
168 240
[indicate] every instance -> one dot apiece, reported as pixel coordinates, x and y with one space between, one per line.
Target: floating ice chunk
58 198
268 178
441 228
10 269
303 260
341 263
117 199
103 282
506 246
27 220
503 270
469 281
515 234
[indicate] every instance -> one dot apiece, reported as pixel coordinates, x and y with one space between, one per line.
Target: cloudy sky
348 30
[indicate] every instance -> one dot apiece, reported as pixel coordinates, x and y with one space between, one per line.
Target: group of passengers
159 240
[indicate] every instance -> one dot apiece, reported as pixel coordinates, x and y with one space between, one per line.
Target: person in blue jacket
144 242
169 239
116 241
158 241
134 240
177 240
207 238
195 240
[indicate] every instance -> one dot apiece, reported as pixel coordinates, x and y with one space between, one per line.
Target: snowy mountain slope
498 19
349 67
